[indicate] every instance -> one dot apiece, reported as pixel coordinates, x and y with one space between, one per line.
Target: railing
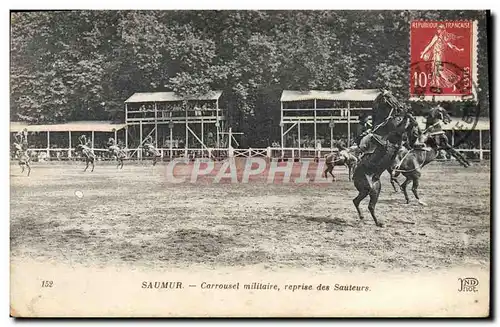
219 153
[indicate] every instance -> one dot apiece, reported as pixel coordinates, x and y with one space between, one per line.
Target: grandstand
311 124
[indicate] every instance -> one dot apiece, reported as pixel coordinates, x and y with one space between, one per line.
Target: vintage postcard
184 163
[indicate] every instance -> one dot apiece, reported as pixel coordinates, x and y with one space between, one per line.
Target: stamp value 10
443 60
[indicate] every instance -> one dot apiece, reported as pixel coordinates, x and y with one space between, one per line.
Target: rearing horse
391 121
409 163
151 150
116 152
87 152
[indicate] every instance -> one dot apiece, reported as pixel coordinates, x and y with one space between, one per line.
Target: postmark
443 60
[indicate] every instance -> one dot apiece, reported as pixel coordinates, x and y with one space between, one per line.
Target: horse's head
439 113
387 101
400 125
386 105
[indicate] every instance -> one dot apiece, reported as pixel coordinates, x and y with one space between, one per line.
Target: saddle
370 142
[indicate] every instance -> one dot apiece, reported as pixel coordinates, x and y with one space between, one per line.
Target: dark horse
391 121
409 163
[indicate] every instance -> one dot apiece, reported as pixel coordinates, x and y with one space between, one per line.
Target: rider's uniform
434 129
364 138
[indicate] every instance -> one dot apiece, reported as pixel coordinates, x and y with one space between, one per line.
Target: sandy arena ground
133 217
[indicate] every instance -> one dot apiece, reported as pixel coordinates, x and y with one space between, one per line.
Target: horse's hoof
422 203
379 224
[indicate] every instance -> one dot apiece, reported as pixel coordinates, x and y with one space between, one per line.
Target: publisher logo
468 284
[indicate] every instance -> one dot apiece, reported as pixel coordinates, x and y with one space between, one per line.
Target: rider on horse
435 117
149 146
433 128
21 143
366 139
86 145
113 148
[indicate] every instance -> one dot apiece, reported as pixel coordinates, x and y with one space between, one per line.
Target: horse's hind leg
29 168
330 170
393 179
414 189
92 166
374 194
403 188
363 188
87 166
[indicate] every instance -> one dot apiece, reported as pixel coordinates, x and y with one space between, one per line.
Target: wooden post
298 130
126 136
315 137
171 137
69 149
126 126
480 145
48 144
187 132
202 132
92 140
217 122
452 138
139 152
282 136
116 136
331 137
348 124
156 125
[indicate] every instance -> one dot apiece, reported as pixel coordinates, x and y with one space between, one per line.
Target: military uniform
434 129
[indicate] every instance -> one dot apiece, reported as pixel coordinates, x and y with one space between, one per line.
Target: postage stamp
443 60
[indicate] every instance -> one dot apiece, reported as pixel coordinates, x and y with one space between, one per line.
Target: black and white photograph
250 163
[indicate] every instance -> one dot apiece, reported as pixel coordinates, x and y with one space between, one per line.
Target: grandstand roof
345 95
483 123
169 97
72 126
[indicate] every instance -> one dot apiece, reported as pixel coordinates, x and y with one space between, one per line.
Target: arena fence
286 154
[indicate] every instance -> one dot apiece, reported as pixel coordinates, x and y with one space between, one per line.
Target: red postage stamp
443 64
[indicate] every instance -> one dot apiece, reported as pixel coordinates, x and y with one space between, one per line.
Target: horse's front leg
29 168
92 166
87 166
